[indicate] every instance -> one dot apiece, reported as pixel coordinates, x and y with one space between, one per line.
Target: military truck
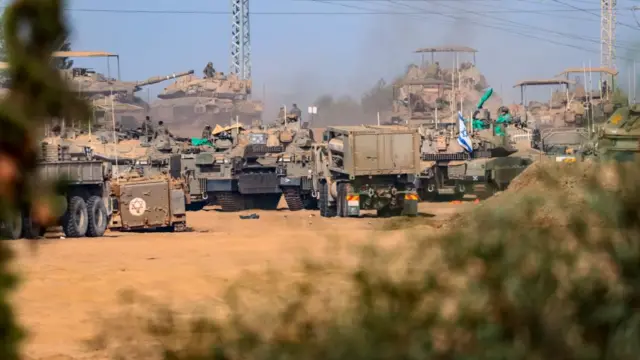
367 167
86 203
148 202
567 144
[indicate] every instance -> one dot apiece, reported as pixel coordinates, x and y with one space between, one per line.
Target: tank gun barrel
157 79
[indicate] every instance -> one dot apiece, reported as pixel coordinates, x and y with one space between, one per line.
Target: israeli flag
463 137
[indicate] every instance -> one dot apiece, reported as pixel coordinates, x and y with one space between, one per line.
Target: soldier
206 132
281 114
147 128
162 137
209 71
297 113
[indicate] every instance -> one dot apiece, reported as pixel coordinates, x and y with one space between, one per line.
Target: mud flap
353 205
410 206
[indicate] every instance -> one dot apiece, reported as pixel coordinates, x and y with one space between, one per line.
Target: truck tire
325 209
31 230
342 207
12 230
97 216
75 222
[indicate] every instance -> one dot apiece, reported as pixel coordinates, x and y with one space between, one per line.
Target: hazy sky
298 57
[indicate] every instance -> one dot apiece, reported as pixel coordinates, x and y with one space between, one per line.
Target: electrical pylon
240 39
608 33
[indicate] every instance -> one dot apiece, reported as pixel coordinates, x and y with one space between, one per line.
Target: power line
510 30
261 13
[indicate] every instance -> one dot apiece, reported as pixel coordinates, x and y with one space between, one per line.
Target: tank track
230 202
293 198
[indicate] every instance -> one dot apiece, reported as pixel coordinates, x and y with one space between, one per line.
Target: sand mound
549 193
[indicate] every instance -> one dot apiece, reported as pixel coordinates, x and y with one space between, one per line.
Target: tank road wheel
325 209
98 217
231 201
12 230
74 223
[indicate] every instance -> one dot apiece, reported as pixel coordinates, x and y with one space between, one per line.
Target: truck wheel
12 230
31 230
97 217
325 209
342 205
74 223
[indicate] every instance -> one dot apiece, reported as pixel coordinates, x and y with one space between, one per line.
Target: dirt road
68 283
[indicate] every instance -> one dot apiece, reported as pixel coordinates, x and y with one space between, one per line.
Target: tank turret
208 101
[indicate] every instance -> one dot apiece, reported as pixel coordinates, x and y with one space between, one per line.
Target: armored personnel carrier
367 167
208 101
148 202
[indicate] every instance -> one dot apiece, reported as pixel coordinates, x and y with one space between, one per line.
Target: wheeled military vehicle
367 167
86 202
567 144
148 202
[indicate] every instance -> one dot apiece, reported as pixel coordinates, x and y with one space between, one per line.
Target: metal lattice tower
240 39
608 33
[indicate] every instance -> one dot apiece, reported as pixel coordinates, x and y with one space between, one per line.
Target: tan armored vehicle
562 109
208 101
433 92
597 98
153 202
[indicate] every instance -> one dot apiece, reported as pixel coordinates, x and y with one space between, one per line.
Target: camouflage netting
32 29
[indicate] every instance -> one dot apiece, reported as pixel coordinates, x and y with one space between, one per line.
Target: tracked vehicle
367 167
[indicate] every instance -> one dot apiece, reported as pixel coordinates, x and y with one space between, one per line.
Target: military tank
244 172
296 163
619 137
208 101
455 163
108 95
431 94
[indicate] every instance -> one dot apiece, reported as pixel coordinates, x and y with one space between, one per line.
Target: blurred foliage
31 29
529 274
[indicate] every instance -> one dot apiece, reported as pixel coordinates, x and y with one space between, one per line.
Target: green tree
40 94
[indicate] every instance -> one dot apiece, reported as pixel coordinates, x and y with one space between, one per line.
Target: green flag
485 97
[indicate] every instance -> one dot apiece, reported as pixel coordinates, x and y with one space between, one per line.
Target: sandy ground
68 283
